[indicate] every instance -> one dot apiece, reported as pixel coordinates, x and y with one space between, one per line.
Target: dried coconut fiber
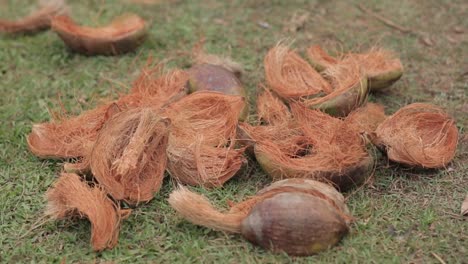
37 20
129 156
382 67
278 228
73 136
312 145
200 150
125 33
71 197
342 88
366 119
419 135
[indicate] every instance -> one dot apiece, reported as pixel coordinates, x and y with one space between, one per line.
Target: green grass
403 216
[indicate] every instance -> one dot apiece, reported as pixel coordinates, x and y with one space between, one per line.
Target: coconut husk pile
382 67
125 146
38 20
337 91
419 135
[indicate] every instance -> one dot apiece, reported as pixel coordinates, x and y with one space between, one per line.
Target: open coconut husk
381 66
264 221
129 156
125 33
71 197
37 20
419 135
73 137
312 145
271 110
341 89
200 150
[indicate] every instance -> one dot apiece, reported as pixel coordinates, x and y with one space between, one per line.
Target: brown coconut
315 146
37 20
71 197
381 66
125 33
129 156
293 216
419 135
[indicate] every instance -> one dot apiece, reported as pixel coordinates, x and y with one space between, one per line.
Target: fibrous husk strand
129 156
420 135
37 20
271 110
366 119
125 33
71 197
290 76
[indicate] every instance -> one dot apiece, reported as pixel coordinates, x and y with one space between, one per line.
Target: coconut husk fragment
129 156
37 20
419 135
124 34
366 119
271 110
199 56
71 197
381 66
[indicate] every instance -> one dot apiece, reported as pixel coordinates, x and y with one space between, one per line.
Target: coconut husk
210 114
381 66
419 135
129 156
366 119
291 77
199 210
73 137
314 145
125 33
350 90
271 110
71 197
201 57
37 20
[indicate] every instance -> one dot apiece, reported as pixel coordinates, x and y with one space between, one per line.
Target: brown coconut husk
73 137
195 163
129 156
381 66
210 114
201 57
317 146
419 135
291 77
199 210
37 20
350 89
125 33
366 119
71 197
271 110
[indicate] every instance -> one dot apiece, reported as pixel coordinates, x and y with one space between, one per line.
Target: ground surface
403 216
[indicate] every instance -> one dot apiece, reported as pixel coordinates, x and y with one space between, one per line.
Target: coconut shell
129 156
319 58
295 223
208 77
71 197
123 34
36 21
419 135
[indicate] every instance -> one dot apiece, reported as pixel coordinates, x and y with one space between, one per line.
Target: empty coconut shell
129 156
71 197
123 34
38 20
293 216
381 66
420 135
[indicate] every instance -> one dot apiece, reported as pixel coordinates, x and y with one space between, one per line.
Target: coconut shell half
123 34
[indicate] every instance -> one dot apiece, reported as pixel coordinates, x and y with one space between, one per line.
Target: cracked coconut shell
124 34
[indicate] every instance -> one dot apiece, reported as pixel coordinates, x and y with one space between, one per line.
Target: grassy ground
403 216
